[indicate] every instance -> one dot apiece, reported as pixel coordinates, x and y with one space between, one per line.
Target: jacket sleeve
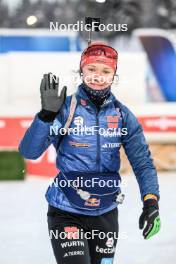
139 156
38 137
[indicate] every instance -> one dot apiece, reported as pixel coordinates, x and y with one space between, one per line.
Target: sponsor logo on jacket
83 102
112 121
79 145
111 145
92 202
78 121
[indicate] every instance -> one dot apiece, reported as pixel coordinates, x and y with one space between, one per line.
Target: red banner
158 123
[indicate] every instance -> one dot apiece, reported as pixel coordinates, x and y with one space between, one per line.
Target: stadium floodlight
100 1
31 20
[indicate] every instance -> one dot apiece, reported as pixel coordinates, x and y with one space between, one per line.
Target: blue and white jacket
92 152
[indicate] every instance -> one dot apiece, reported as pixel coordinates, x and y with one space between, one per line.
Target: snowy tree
4 14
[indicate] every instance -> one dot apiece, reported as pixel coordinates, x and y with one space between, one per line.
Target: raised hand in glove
150 216
50 100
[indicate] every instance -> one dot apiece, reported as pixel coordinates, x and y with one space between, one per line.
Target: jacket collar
82 95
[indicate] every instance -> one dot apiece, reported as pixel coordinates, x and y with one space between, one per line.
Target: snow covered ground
23 225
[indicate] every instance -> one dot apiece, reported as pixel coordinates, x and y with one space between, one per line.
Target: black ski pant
83 239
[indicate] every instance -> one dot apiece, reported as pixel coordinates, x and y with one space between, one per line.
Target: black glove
150 215
50 101
47 116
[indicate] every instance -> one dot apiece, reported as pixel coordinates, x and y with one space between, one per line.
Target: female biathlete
87 130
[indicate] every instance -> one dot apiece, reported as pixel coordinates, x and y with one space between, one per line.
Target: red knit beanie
99 52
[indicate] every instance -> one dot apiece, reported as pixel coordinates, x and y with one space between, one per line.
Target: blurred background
146 83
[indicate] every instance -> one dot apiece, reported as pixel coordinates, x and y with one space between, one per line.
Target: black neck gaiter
97 97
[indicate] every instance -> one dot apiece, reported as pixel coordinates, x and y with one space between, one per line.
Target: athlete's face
98 76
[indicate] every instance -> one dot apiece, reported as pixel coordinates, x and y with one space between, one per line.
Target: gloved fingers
154 229
147 229
141 221
42 86
46 77
50 80
63 93
55 83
